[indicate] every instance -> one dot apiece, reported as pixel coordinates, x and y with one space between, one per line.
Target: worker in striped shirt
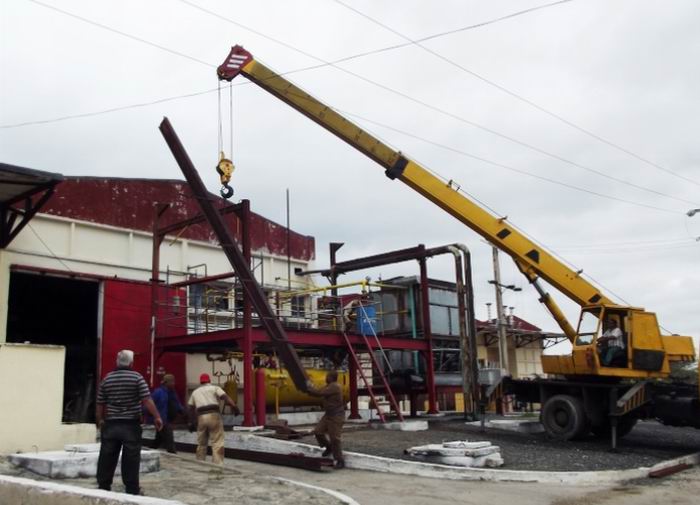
118 416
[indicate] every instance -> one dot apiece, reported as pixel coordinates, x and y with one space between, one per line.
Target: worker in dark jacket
119 400
331 423
169 407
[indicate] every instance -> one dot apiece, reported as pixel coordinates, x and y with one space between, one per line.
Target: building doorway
55 310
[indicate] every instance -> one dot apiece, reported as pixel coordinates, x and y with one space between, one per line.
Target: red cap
204 378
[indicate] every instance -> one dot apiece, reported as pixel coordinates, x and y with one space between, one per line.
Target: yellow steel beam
535 260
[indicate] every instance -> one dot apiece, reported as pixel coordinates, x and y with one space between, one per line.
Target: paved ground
649 443
244 482
193 483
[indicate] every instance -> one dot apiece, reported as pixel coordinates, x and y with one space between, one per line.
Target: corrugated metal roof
17 182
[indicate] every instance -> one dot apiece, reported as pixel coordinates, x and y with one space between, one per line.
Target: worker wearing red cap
204 405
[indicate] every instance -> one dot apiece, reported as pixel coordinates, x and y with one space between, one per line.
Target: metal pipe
428 335
469 360
260 397
247 320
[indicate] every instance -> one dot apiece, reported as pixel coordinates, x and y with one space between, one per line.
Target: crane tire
564 418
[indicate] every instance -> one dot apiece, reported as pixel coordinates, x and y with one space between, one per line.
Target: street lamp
692 212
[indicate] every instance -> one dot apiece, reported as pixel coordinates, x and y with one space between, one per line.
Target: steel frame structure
286 340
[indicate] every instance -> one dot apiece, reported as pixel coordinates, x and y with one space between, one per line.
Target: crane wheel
564 418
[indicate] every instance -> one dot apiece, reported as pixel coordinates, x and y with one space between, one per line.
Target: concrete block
460 453
401 426
70 465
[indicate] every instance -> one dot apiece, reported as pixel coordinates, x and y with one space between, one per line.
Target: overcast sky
628 71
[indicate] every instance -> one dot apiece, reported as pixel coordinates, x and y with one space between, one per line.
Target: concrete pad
401 425
70 465
32 492
82 447
517 425
248 429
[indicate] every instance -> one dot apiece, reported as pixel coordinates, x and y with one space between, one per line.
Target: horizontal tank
278 381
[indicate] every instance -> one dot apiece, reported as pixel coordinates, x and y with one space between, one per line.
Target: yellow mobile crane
594 393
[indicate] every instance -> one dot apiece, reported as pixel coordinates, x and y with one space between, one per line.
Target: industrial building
94 265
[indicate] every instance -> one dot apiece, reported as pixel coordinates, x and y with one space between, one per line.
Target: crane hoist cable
225 166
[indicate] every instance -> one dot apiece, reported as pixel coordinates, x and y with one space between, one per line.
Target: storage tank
278 382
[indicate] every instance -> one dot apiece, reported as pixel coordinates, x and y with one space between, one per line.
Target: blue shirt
161 397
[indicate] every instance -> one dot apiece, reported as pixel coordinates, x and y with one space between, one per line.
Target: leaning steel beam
269 320
296 460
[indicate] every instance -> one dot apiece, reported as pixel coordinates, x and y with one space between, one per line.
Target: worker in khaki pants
331 423
204 404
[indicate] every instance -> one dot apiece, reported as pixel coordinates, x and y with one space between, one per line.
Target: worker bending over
331 423
204 407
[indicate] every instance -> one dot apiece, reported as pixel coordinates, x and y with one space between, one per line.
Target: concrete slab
401 425
517 425
459 453
69 465
82 447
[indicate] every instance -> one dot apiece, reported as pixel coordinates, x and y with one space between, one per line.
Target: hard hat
204 378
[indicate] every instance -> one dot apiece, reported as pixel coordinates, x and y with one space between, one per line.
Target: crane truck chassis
589 393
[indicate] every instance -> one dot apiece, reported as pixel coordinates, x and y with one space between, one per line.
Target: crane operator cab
620 341
606 332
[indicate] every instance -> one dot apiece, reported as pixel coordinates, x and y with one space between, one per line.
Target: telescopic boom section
532 259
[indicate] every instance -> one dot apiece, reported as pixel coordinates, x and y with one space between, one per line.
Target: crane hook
225 168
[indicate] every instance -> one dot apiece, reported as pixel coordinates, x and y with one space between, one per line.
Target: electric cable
307 68
435 108
124 34
531 103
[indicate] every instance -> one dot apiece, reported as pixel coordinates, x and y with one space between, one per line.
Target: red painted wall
128 203
126 325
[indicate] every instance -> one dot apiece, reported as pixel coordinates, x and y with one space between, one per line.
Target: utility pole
500 319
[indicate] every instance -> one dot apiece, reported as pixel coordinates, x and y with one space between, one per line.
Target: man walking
118 417
169 407
204 407
331 423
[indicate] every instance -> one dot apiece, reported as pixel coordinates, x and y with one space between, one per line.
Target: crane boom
532 259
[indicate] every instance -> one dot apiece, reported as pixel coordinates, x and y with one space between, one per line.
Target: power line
532 104
507 167
123 34
323 63
432 107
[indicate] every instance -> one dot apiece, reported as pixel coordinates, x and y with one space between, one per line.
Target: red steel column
352 377
260 397
427 335
247 324
158 211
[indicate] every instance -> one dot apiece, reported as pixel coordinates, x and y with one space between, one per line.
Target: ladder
368 383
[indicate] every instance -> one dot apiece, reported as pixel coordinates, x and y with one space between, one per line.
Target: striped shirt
122 391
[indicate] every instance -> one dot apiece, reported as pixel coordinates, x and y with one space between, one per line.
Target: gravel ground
194 483
648 444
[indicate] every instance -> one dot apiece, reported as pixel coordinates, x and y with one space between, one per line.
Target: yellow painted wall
31 399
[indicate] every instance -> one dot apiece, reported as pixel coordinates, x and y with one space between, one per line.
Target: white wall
32 400
84 247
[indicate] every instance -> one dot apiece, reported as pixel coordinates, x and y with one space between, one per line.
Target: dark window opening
60 311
